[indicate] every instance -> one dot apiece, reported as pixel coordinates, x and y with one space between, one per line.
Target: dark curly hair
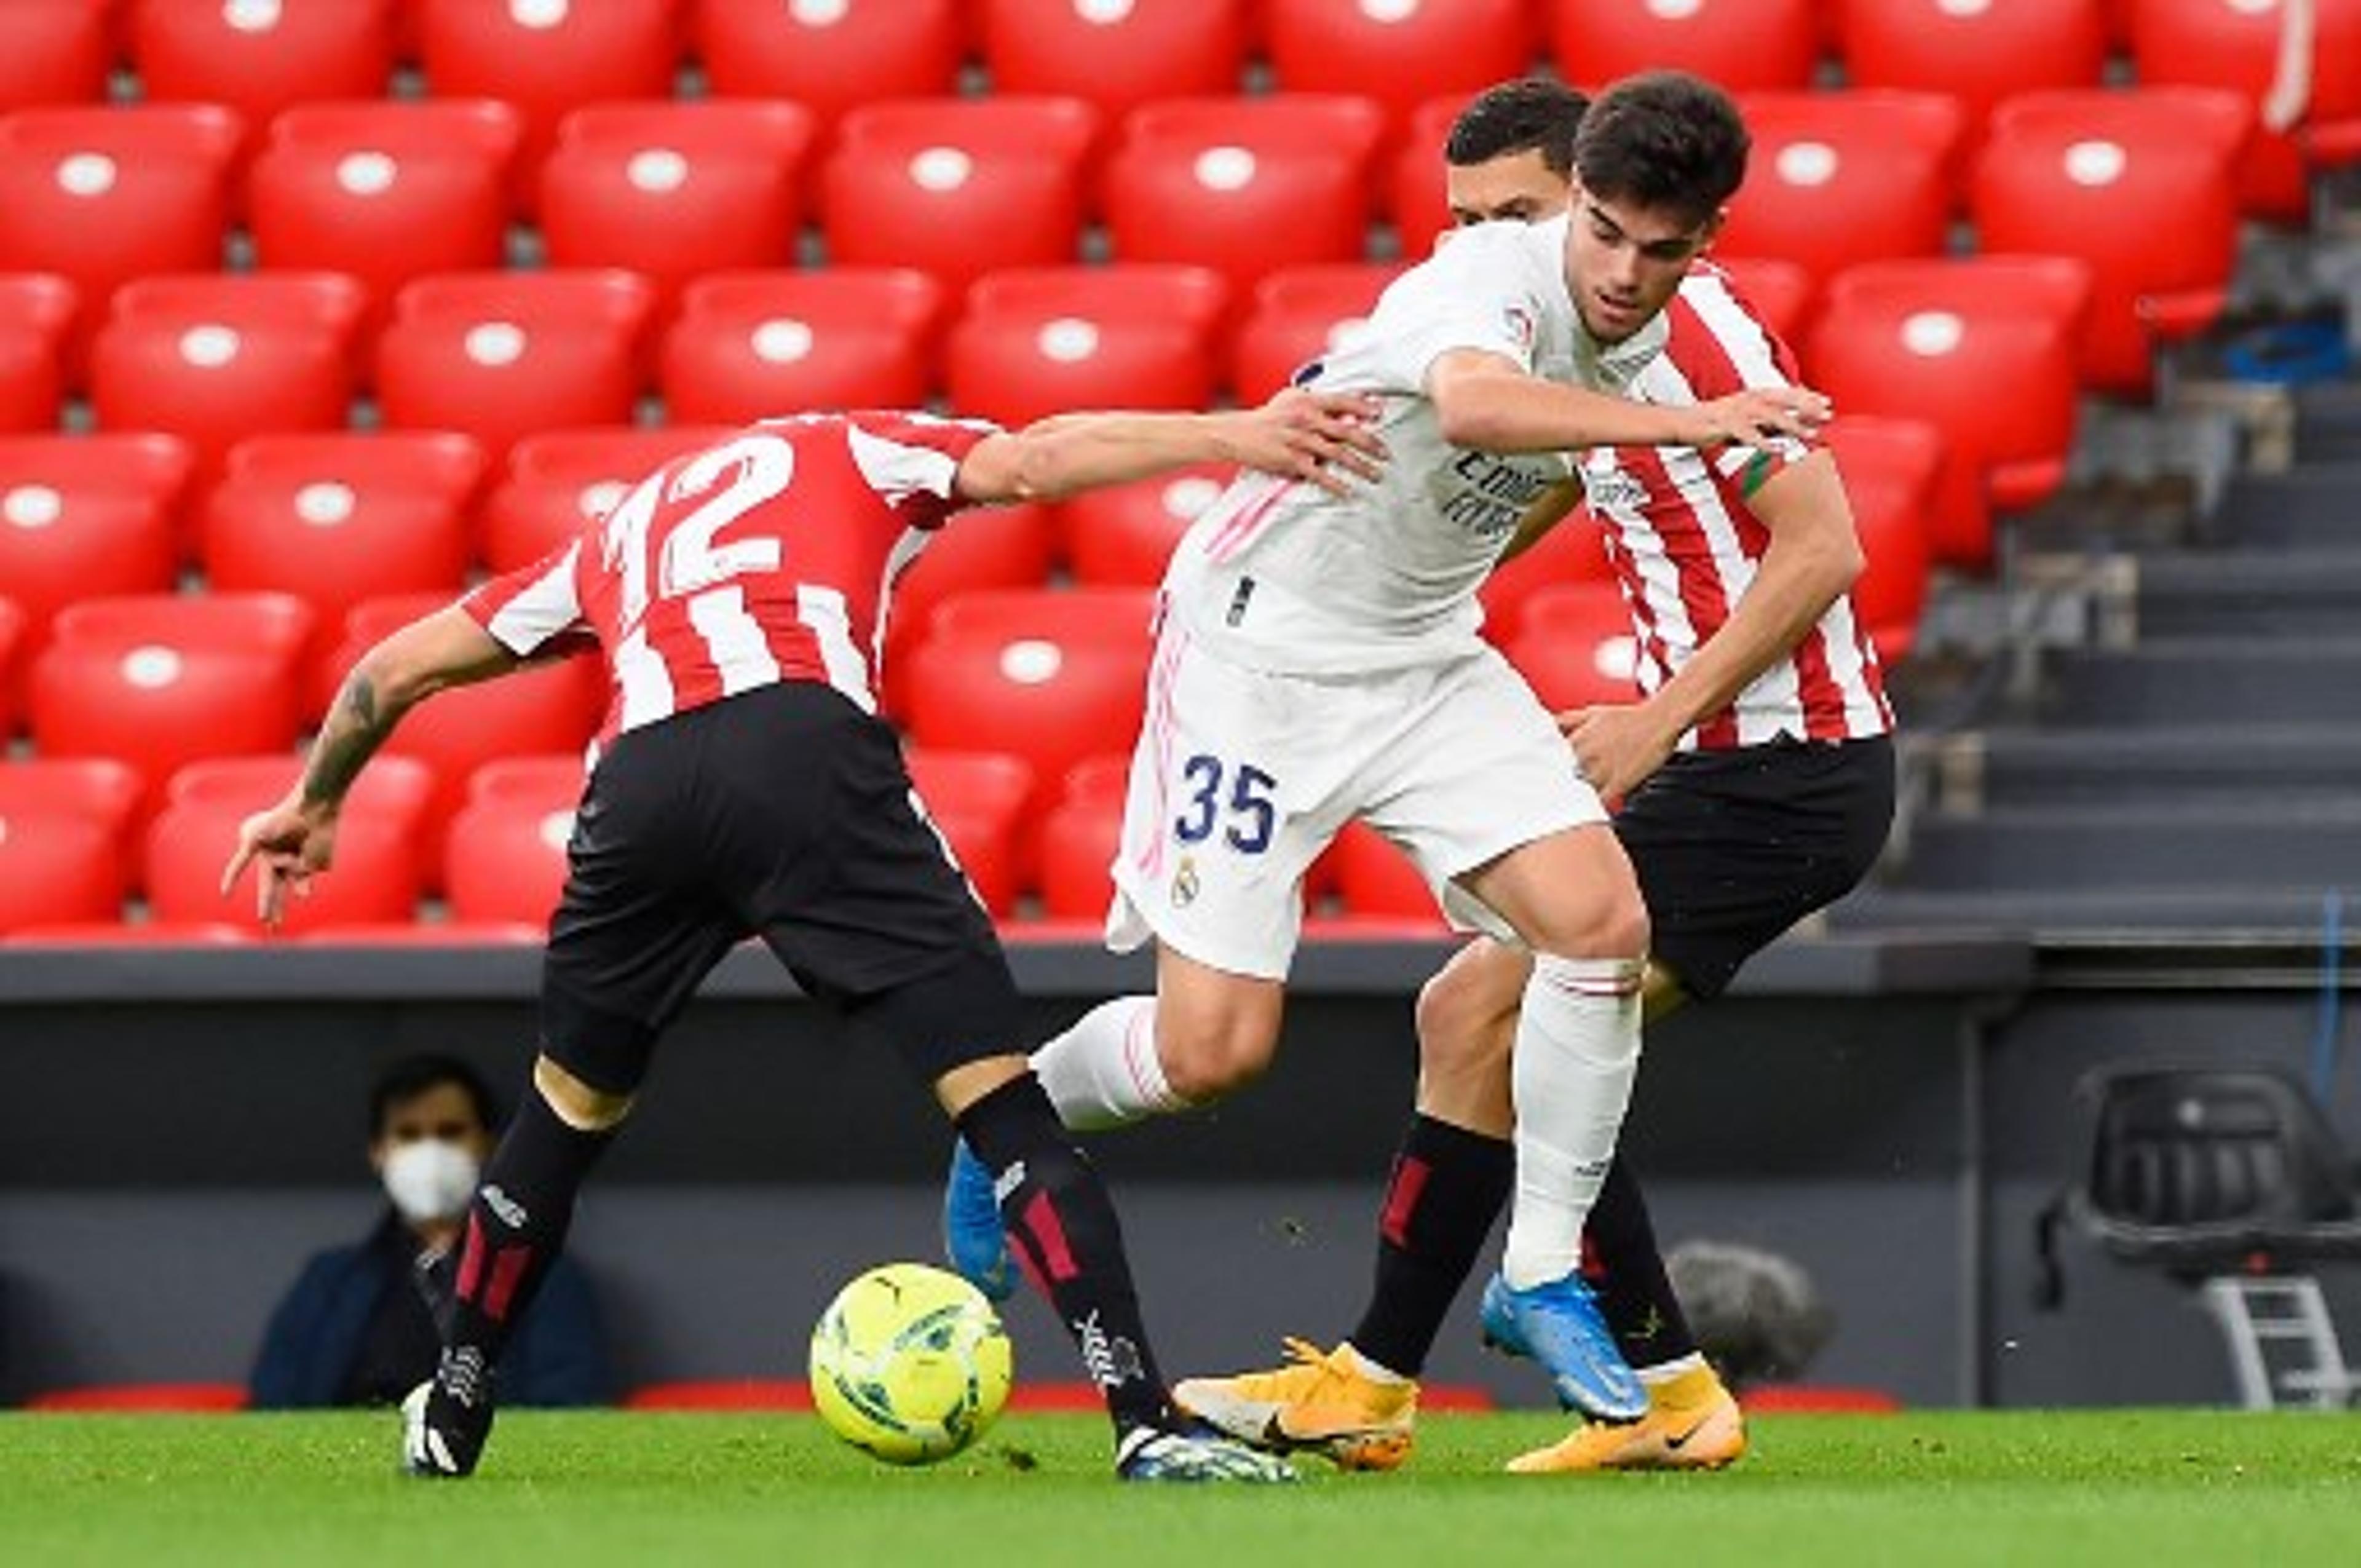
1532 114
1663 139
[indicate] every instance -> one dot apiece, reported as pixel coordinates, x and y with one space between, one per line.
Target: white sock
1578 1051
1104 1072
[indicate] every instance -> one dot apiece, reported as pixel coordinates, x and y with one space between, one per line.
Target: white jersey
1281 576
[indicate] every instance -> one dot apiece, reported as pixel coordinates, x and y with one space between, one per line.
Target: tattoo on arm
347 739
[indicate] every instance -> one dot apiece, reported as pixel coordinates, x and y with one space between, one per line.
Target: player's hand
288 845
1616 746
1329 438
1759 414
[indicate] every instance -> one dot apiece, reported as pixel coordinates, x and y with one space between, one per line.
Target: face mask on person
429 1179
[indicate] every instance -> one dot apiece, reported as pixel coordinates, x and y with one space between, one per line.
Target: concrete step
2051 913
2313 505
2297 844
2180 682
2290 592
2228 764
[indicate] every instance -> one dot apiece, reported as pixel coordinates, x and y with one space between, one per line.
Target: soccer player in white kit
1317 662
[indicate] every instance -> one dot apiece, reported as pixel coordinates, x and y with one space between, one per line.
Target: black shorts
1732 848
783 813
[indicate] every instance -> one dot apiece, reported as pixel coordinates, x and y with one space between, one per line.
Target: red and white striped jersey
767 557
1685 544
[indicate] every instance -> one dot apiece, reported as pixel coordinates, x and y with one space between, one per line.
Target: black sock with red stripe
1448 1186
1621 1261
1063 1227
516 1228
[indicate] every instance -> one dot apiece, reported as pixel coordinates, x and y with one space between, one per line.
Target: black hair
1527 114
413 1076
1663 139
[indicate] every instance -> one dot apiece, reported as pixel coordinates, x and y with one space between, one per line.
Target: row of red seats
191 365
73 847
2137 184
259 56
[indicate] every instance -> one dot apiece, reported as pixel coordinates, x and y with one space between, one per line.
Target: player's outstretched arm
1327 438
1485 401
297 838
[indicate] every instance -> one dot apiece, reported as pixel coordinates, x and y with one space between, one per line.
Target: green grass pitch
2147 1488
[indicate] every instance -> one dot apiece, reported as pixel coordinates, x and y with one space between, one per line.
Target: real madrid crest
1184 883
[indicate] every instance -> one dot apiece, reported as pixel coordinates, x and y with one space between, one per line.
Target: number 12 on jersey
1250 813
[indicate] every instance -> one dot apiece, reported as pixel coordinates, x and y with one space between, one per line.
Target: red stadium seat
37 311
1570 553
556 481
959 187
1122 536
1244 185
385 191
548 57
1930 340
119 934
100 196
977 800
260 58
1079 838
1398 51
2138 184
670 191
551 707
424 934
1413 193
216 358
1052 677
56 52
1746 45
1845 177
1780 293
13 647
1374 878
1296 316
1116 56
831 58
160 681
2235 45
1043 341
376 876
1575 645
749 344
1893 472
57 866
398 785
558 776
1979 54
81 516
95 789
335 519
981 548
503 355
504 857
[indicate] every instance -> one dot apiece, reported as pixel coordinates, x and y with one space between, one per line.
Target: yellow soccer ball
910 1364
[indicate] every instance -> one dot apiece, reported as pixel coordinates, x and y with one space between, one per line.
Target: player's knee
1458 1014
1205 1059
1612 923
576 1103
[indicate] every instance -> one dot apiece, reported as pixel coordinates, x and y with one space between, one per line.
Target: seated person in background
359 1327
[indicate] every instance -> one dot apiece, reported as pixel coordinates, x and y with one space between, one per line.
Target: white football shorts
1242 777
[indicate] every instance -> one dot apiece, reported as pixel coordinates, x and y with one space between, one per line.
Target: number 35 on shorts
1242 812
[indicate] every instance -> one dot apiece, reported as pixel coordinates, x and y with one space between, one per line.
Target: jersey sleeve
1473 293
536 609
912 461
1720 348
